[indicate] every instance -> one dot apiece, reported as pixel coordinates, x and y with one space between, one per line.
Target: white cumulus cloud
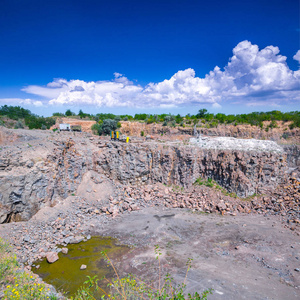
297 56
251 77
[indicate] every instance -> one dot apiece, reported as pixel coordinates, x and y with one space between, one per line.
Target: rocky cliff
33 177
51 167
241 172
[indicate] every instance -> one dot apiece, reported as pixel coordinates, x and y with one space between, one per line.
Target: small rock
221 206
297 270
83 267
77 239
51 257
64 250
134 207
26 238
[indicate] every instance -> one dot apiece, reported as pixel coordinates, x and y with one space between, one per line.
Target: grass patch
209 182
177 188
15 283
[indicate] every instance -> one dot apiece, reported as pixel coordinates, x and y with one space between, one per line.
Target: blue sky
150 56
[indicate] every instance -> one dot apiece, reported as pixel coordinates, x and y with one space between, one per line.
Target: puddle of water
65 274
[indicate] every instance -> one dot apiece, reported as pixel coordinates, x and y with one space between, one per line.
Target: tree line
25 117
255 118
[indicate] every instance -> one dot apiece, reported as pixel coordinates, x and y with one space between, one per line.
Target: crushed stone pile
230 143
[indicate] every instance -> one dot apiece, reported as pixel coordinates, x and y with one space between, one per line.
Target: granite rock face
51 166
27 185
241 172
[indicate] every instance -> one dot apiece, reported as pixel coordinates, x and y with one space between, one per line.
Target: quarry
228 201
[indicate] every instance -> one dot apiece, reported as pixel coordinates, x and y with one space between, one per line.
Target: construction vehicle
115 135
76 128
64 127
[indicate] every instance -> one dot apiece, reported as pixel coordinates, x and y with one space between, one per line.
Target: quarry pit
233 209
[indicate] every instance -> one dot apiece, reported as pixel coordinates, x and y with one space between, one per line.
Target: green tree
69 113
202 113
81 114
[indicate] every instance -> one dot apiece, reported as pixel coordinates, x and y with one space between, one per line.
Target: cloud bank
251 77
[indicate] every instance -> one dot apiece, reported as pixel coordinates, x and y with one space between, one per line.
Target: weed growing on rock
212 184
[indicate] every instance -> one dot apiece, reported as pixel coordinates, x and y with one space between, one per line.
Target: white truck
64 127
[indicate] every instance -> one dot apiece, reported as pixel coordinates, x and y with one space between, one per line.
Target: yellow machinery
115 135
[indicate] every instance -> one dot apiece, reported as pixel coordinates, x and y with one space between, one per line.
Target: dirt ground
240 257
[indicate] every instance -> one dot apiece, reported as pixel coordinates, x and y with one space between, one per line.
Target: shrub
285 135
19 125
142 133
44 127
97 129
109 125
214 124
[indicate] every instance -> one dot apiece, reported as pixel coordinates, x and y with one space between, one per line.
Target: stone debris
231 143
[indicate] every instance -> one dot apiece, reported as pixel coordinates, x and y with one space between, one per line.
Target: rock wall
241 172
51 167
293 155
29 184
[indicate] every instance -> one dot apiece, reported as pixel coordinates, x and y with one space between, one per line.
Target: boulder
64 250
52 257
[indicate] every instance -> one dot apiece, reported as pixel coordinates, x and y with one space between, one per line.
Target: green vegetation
25 116
19 124
202 118
16 283
209 182
210 119
106 127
